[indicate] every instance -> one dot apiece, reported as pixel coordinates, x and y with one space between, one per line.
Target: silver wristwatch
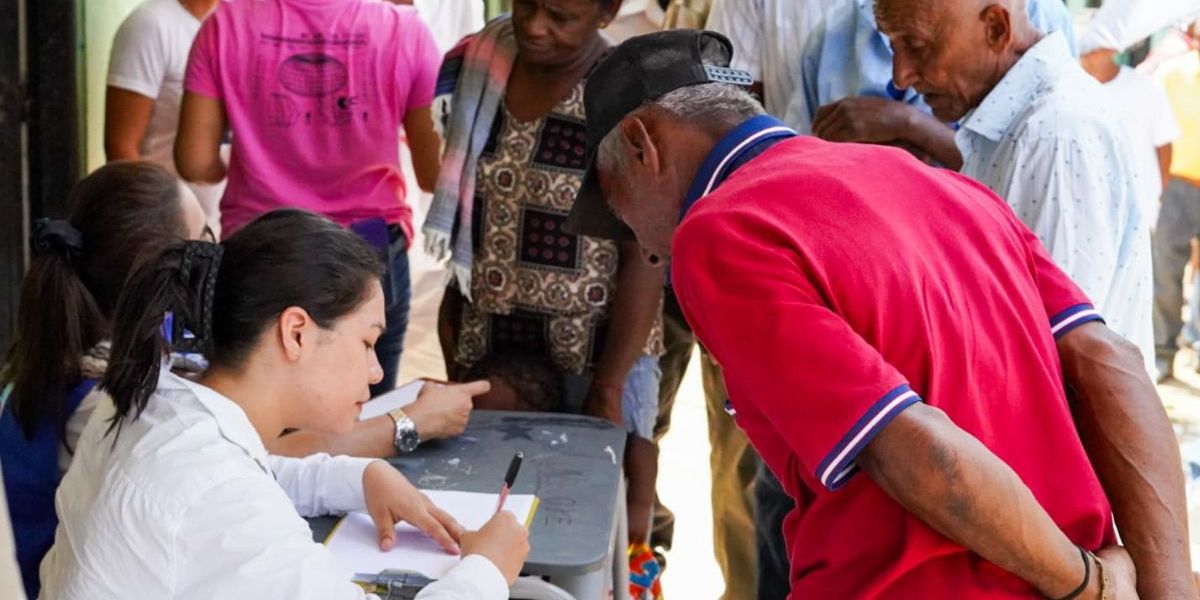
407 439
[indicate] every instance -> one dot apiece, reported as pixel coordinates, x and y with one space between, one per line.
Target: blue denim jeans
397 293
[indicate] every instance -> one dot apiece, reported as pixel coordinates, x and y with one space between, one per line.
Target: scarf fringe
437 243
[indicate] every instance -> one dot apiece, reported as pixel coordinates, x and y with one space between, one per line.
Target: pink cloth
316 92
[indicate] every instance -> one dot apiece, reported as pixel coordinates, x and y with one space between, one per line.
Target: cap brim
591 216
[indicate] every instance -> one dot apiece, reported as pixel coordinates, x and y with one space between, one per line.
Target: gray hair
705 104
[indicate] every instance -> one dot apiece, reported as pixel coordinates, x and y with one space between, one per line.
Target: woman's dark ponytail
167 305
57 317
79 266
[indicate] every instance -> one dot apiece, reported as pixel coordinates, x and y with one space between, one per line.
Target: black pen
509 478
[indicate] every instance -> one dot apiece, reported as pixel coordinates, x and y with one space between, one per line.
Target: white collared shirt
1046 140
768 39
187 504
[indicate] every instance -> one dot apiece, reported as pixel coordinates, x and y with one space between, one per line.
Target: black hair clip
198 268
55 236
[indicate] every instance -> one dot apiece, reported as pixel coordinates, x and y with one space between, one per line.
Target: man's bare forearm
634 308
934 137
955 485
1132 447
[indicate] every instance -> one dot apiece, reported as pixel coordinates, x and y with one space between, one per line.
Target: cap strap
727 75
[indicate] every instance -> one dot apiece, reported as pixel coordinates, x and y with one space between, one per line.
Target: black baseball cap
641 69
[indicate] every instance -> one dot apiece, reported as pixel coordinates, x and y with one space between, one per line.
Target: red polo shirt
839 284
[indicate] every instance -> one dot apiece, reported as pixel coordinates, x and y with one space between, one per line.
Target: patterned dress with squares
536 288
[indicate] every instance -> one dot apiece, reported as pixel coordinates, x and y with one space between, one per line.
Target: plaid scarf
470 87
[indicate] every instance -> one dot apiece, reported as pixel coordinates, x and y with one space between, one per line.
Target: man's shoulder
149 21
799 170
1073 106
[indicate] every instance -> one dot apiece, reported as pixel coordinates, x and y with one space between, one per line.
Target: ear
295 332
639 145
998 27
608 14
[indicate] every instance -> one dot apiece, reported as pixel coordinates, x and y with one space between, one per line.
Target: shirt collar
731 152
1000 108
231 420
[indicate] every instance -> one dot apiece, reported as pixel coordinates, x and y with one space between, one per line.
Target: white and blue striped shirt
768 40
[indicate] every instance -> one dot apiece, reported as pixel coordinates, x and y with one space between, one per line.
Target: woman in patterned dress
591 305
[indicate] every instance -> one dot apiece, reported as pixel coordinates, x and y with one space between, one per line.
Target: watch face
407 438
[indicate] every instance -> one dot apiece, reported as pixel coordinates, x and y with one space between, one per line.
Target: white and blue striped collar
727 155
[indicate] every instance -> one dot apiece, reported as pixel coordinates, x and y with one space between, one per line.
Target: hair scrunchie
56 236
198 270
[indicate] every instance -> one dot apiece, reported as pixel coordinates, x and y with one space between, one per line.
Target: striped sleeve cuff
838 466
1062 323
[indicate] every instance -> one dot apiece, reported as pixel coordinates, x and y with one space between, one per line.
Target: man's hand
863 119
604 401
1122 576
442 411
874 120
391 498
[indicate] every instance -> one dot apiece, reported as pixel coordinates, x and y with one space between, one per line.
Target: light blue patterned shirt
846 55
1047 140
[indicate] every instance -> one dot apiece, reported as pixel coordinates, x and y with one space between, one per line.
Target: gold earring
603 24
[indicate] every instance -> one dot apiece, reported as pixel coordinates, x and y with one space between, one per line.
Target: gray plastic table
572 463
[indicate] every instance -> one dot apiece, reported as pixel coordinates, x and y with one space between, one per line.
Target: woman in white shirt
172 493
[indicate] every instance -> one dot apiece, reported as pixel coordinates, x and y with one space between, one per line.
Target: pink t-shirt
316 92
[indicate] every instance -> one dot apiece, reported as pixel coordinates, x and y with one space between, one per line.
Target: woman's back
315 94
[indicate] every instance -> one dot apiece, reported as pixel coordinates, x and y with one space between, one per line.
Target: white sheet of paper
397 398
355 544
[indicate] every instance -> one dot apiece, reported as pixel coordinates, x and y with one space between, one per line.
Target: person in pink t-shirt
315 93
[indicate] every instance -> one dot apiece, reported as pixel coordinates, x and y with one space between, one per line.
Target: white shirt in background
10 573
149 57
1146 112
636 17
768 41
186 504
450 20
1048 141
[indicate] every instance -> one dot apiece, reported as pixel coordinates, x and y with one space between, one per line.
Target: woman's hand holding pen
391 498
502 540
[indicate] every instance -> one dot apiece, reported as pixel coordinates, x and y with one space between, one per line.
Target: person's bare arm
641 467
440 411
426 146
634 308
954 484
448 324
873 120
372 438
202 124
1132 446
126 117
1164 163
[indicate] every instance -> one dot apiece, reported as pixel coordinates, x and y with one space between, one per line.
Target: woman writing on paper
172 494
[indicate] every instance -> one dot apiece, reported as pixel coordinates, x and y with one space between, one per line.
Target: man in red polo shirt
873 314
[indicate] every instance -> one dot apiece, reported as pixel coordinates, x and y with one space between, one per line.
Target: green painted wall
100 18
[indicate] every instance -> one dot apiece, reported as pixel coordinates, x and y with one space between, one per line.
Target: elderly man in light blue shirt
1038 131
847 93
